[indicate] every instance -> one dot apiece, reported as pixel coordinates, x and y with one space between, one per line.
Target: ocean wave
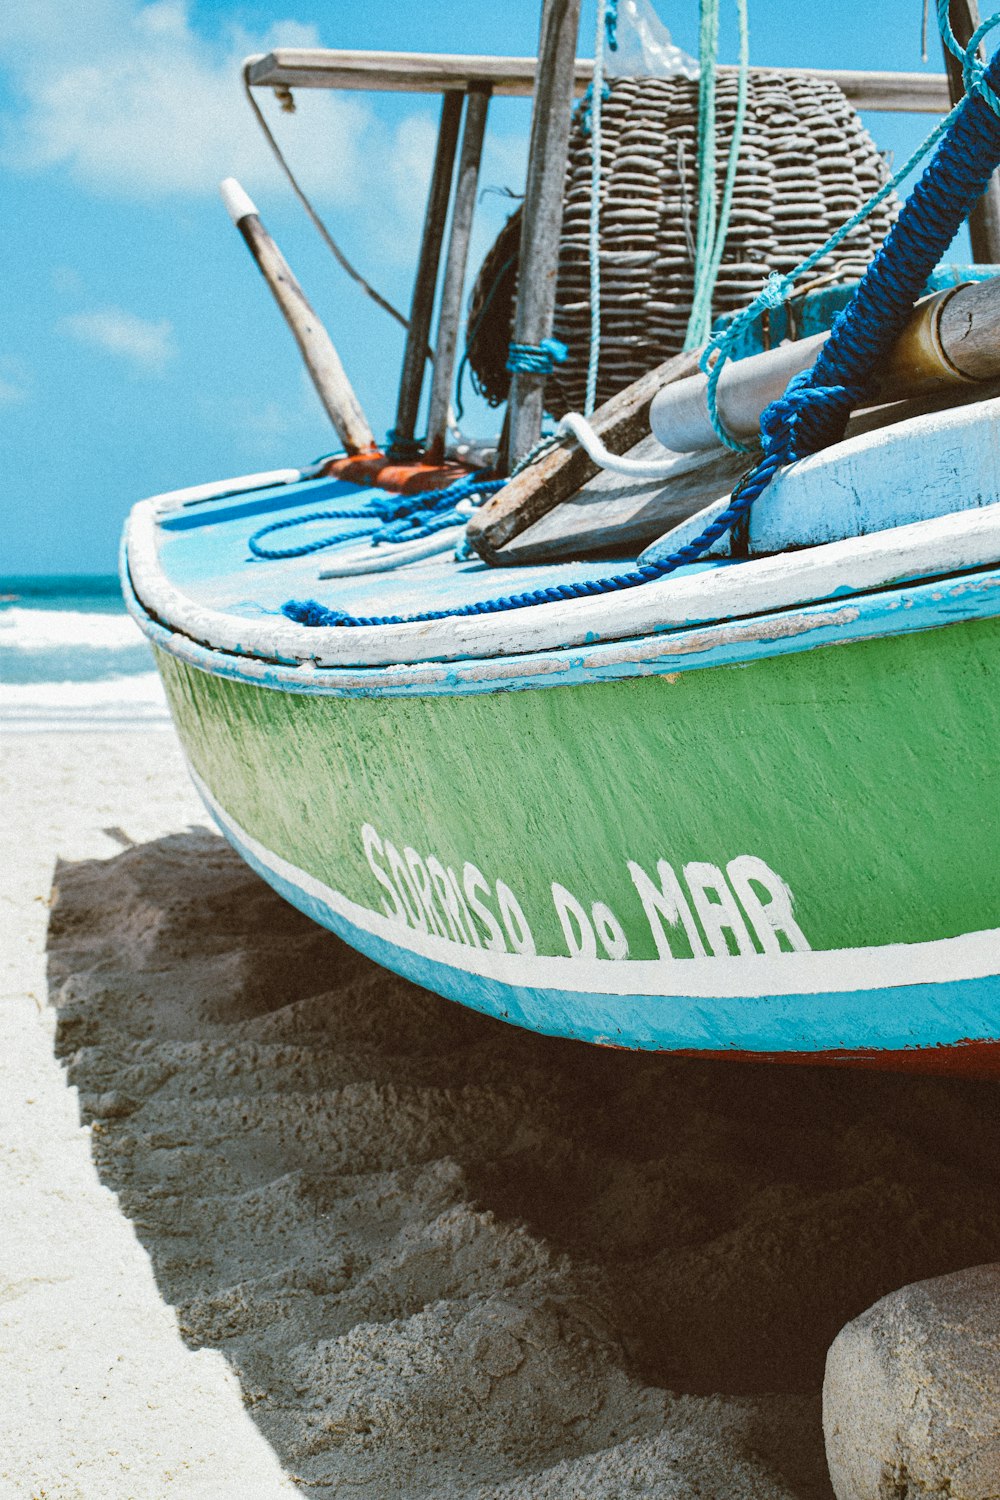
43 629
114 703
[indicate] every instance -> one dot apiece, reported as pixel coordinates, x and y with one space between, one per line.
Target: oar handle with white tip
321 358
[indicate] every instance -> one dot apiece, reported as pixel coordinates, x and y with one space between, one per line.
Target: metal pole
422 306
450 313
542 214
984 221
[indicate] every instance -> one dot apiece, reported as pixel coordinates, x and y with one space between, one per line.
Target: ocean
72 659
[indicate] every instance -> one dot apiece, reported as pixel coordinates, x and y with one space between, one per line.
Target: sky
141 350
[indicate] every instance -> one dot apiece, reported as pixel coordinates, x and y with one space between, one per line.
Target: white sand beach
277 1222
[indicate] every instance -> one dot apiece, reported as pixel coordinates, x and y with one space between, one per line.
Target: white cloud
133 101
146 345
11 394
15 381
66 280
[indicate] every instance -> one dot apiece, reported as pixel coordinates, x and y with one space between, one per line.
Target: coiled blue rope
814 409
385 518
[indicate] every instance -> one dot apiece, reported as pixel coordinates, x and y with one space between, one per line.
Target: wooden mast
424 287
542 214
450 312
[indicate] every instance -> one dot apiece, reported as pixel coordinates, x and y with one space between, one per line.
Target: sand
320 1232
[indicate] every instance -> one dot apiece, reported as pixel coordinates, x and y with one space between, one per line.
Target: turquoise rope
713 223
777 287
536 359
973 67
708 55
704 312
607 30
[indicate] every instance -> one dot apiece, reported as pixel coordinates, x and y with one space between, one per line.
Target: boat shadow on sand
435 1246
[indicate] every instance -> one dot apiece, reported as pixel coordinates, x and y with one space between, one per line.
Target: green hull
820 803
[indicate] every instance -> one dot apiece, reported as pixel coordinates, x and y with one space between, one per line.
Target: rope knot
973 68
807 417
311 612
611 25
536 359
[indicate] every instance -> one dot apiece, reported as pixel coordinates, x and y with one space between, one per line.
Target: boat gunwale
906 609
841 573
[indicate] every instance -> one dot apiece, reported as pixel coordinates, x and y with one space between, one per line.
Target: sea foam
113 703
43 629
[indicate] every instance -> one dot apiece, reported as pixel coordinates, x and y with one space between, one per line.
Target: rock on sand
911 1402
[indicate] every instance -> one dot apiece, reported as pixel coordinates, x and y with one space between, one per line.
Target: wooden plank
882 476
984 220
428 73
613 515
411 379
450 312
541 215
620 423
951 460
321 358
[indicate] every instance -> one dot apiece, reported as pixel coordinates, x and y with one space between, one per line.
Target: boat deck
204 552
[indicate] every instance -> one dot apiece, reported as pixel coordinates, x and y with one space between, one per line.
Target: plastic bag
645 48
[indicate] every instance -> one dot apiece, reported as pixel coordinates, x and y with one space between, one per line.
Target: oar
951 342
321 358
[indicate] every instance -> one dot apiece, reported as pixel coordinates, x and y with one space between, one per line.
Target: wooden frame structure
467 83
427 73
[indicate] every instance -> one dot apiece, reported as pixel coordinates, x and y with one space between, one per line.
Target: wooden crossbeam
429 73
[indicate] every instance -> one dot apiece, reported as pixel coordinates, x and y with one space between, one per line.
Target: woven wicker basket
806 164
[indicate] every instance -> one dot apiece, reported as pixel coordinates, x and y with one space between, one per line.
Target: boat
745 809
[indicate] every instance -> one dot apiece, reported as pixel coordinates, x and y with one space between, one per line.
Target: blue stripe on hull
891 1019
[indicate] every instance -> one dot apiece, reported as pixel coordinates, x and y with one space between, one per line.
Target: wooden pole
542 214
321 358
411 381
984 221
450 312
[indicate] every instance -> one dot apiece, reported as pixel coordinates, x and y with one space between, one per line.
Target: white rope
385 558
637 468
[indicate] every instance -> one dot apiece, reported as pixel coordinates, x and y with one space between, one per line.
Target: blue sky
141 351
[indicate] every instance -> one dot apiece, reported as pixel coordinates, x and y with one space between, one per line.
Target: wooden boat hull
792 855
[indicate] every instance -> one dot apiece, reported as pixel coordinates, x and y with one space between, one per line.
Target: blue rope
814 409
536 359
386 518
273 553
